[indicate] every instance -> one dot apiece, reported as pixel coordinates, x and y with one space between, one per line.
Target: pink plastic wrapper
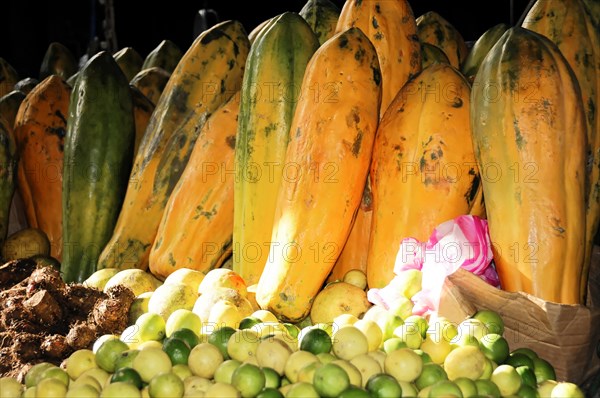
461 242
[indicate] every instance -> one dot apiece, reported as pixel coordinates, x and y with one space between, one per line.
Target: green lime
527 376
56 373
494 347
127 375
248 379
445 388
486 388
419 322
269 392
187 335
517 359
354 392
393 344
152 326
467 387
219 339
177 350
125 360
430 375
316 341
525 351
424 356
543 370
292 329
248 322
492 320
272 378
382 385
108 354
224 372
34 374
527 391
567 390
166 385
330 380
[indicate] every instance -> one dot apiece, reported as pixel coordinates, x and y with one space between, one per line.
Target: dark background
29 26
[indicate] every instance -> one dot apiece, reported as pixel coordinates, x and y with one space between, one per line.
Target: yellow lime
373 332
150 362
344 319
467 361
356 277
221 390
243 344
248 379
352 371
486 388
195 386
418 322
50 388
225 371
393 344
182 318
349 342
56 373
265 316
151 327
302 390
367 366
204 360
403 365
296 362
120 389
86 380
101 375
80 361
108 353
567 390
101 341
410 335
330 380
446 389
166 385
307 373
35 372
182 371
10 387
437 349
82 391
273 353
471 327
507 379
99 278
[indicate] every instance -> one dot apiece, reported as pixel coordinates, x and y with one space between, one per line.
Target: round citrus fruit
383 385
177 350
127 375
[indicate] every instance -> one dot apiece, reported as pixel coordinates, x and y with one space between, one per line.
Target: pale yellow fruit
100 375
50 388
349 342
379 356
193 386
10 388
296 362
99 278
204 304
224 313
273 353
168 298
403 364
307 373
353 372
102 339
151 362
120 389
437 349
187 276
204 360
137 280
373 332
222 277
251 296
465 361
243 344
139 306
82 391
222 390
367 365
356 277
338 298
344 320
80 361
265 316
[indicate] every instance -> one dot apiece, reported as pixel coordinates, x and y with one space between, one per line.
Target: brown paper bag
564 335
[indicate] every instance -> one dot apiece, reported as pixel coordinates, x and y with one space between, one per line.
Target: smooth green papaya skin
8 174
58 60
480 49
97 162
130 62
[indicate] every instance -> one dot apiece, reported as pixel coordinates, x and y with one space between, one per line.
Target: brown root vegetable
55 346
82 335
44 309
46 278
15 271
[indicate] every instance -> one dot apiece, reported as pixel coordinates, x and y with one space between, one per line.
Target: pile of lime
387 353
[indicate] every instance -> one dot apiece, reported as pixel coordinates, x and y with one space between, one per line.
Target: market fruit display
40 129
506 133
233 216
59 61
279 56
97 155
